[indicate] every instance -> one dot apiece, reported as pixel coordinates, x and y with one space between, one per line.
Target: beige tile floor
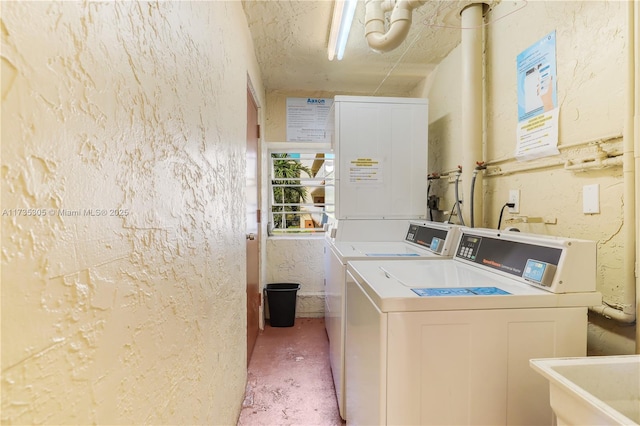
289 378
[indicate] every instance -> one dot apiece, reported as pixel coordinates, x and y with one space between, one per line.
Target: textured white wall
443 89
591 95
299 260
138 315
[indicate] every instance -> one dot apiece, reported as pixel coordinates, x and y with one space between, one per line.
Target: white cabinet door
381 152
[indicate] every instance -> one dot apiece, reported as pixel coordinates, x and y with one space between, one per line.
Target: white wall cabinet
381 151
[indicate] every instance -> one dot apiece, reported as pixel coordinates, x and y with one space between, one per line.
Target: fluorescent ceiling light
343 11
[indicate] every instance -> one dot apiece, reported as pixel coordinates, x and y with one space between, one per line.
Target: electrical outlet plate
514 197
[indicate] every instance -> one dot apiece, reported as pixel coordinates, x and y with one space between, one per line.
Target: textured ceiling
290 38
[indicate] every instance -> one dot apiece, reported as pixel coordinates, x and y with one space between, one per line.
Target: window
300 189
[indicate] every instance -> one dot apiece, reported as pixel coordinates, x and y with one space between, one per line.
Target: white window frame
306 207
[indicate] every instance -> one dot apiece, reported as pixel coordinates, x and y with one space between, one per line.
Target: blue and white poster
538 111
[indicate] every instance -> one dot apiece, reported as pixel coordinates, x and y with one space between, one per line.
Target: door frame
254 317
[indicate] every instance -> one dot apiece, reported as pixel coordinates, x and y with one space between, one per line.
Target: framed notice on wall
307 119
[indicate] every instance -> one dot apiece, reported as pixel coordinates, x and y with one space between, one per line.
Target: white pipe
472 106
614 313
635 90
374 29
596 163
571 165
631 150
563 147
387 5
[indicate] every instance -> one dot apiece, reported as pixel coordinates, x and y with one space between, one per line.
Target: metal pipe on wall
472 106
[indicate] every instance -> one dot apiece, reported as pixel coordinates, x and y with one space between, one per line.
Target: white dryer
419 240
449 342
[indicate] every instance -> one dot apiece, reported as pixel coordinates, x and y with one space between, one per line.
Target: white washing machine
449 342
419 240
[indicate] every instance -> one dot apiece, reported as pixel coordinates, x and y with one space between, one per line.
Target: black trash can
282 303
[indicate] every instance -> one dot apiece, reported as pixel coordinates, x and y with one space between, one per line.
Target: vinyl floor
289 378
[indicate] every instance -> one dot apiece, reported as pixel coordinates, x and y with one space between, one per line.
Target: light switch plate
591 199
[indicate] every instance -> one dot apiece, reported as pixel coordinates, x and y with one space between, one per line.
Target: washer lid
392 287
380 250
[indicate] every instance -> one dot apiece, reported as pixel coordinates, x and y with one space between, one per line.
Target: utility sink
602 390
